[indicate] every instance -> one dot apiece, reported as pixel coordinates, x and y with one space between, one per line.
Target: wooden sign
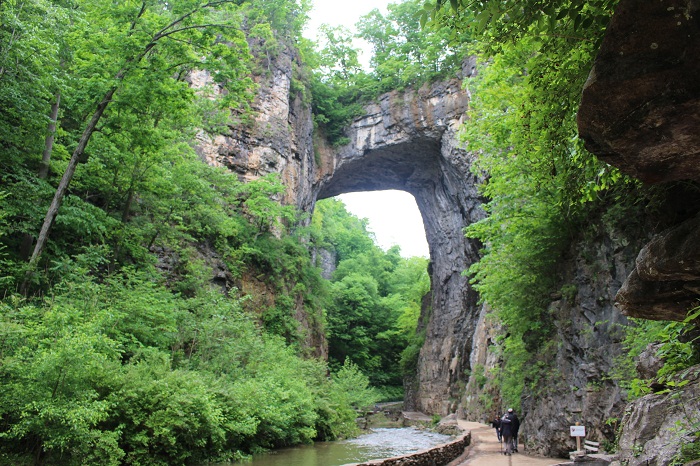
578 431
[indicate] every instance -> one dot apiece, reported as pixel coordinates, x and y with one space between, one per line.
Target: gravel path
486 451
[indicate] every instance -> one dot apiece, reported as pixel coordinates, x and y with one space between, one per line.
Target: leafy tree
29 61
498 23
155 43
403 57
406 56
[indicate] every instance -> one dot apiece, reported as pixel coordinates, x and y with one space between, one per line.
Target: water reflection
378 443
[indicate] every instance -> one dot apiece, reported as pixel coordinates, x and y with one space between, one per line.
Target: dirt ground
485 450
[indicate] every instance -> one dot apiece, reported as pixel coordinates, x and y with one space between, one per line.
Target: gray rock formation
405 141
666 280
648 363
278 138
656 427
640 112
584 340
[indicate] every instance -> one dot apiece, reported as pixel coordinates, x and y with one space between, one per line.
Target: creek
376 444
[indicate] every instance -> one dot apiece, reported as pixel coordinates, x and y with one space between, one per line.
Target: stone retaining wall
437 456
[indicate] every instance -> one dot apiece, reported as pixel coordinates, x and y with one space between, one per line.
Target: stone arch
405 141
408 141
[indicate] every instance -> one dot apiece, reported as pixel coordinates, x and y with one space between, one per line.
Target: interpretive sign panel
578 431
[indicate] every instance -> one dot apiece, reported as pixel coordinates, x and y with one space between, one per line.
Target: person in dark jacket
514 428
507 433
496 424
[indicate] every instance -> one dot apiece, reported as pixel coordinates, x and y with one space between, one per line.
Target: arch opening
393 217
435 171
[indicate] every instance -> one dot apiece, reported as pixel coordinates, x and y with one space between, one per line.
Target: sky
393 215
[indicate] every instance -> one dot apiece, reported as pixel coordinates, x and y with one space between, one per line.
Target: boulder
640 108
656 427
665 283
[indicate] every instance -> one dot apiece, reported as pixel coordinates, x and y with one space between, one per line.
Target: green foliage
538 179
374 301
122 350
350 380
689 451
31 43
679 349
502 23
286 18
125 372
406 56
403 57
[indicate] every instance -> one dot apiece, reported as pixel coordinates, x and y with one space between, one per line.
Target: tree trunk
28 240
66 179
167 31
48 144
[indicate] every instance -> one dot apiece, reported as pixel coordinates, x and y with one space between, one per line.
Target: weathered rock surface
656 427
665 283
277 140
584 340
640 109
640 112
648 363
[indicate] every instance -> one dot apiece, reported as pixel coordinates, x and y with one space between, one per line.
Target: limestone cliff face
574 384
408 141
657 427
277 140
640 111
404 141
640 108
586 340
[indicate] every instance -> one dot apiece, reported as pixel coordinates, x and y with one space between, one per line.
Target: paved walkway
486 451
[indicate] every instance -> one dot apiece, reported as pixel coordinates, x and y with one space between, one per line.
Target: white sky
344 13
393 215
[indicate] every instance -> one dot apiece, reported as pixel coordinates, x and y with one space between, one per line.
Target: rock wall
575 383
640 108
408 141
640 111
658 426
276 138
440 455
587 337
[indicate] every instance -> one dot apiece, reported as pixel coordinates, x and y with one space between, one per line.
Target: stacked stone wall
439 455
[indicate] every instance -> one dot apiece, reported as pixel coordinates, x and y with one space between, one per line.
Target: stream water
378 443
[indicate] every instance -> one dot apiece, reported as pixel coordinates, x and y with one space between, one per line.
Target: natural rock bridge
405 141
408 142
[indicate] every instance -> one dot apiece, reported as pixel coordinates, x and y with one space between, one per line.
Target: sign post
578 432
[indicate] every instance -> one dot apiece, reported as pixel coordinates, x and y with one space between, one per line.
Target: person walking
515 427
496 424
507 433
